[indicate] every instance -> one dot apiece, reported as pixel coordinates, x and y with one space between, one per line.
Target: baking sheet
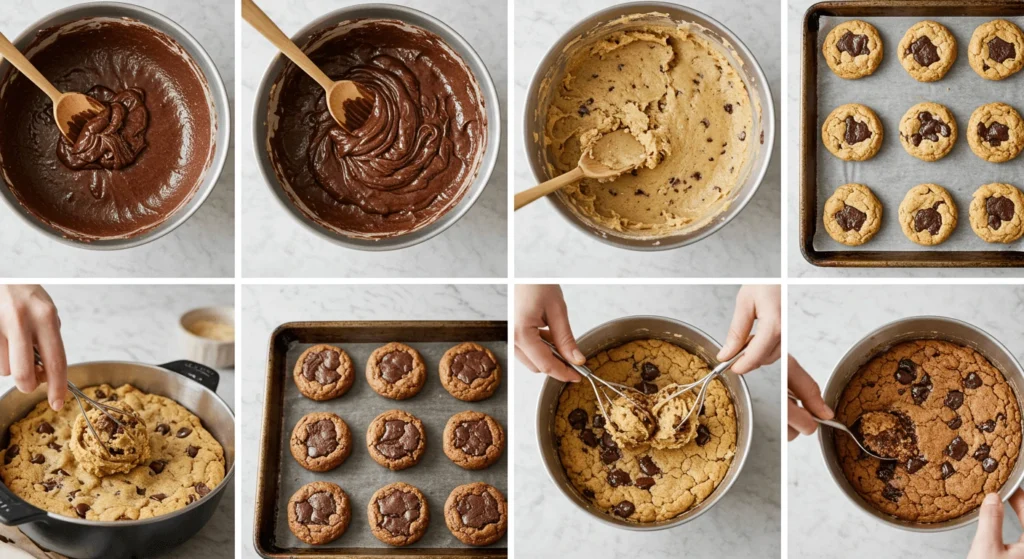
435 475
890 92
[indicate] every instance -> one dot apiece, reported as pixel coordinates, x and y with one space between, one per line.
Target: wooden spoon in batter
70 110
611 155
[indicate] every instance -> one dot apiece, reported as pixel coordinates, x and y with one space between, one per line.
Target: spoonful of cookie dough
879 439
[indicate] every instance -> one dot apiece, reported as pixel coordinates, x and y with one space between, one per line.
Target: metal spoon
843 428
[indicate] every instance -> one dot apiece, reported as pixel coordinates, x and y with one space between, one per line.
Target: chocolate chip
650 371
158 497
925 52
191 451
955 423
191 499
855 45
982 452
157 466
886 470
623 509
931 128
645 483
60 472
947 470
989 465
972 381
599 421
588 493
850 219
921 390
891 493
915 464
100 394
81 509
139 490
11 454
856 132
728 108
45 428
646 387
202 489
38 459
928 219
696 176
742 136
610 455
583 110
183 432
906 371
995 134
648 466
578 418
1000 50
619 477
988 426
957 449
588 437
703 435
954 399
999 209
706 123
49 485
607 441
163 429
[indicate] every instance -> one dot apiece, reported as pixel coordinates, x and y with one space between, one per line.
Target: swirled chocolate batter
132 166
416 155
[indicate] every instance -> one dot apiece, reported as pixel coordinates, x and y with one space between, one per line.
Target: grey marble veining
264 308
140 323
204 246
275 245
823 323
549 246
745 523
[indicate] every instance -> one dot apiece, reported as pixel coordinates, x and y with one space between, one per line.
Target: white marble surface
823 323
275 245
745 523
204 246
264 308
140 323
799 267
549 246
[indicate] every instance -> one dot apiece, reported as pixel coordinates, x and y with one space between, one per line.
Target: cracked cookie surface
996 213
398 514
853 49
996 132
852 214
964 416
928 131
852 132
927 51
323 372
928 214
996 51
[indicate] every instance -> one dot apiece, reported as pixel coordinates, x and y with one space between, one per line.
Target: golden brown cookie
321 441
319 512
996 132
470 372
473 440
396 440
928 214
852 215
927 51
852 132
996 51
476 513
996 213
928 131
853 49
398 514
323 372
396 371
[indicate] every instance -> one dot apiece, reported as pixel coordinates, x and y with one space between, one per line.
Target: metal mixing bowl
879 341
216 93
552 68
618 332
260 126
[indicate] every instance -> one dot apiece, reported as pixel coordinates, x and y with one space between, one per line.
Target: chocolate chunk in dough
850 218
473 437
316 510
1000 50
925 52
856 132
395 365
999 209
929 219
477 511
399 510
995 134
855 45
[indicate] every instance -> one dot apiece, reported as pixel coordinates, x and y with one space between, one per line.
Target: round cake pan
216 93
615 333
881 340
552 68
260 126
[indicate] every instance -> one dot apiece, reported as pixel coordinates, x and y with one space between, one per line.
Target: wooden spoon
70 110
349 103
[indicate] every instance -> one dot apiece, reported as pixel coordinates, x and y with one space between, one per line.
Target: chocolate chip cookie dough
928 214
644 483
955 408
324 372
473 440
927 51
321 441
396 371
996 132
928 131
853 49
396 440
852 132
185 462
476 514
119 448
852 215
319 512
996 213
681 99
996 51
470 372
398 514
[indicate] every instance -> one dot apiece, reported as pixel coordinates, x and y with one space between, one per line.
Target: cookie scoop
119 448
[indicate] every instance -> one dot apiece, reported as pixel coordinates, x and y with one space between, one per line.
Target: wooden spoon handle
543 189
18 60
266 27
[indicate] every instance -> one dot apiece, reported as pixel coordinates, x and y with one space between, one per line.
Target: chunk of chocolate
906 371
856 132
925 52
623 509
947 470
999 209
972 381
850 218
957 449
618 478
854 45
1000 50
578 418
954 399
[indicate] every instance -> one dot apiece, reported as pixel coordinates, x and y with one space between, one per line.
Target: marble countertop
140 323
744 523
549 246
274 244
204 246
823 323
267 307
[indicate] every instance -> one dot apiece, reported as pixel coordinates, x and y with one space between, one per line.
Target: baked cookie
928 131
470 372
852 132
319 512
853 49
996 51
996 213
476 513
321 441
396 371
473 440
927 51
396 440
928 214
996 132
398 514
852 214
324 372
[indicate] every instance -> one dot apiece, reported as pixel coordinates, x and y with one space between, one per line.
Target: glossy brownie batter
413 159
132 166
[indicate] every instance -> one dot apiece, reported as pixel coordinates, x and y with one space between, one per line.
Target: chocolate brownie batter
416 155
132 166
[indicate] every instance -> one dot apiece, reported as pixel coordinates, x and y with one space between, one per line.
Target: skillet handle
199 373
14 511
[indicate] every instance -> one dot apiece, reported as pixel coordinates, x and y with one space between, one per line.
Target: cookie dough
324 372
927 51
996 51
963 415
928 214
473 440
630 422
398 514
644 484
852 132
928 131
321 441
396 371
888 434
996 132
675 92
476 514
671 431
996 213
470 372
852 214
185 462
853 49
396 440
119 449
319 512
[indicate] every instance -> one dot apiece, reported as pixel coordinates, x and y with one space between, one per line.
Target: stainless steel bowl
552 68
261 130
216 93
884 338
618 332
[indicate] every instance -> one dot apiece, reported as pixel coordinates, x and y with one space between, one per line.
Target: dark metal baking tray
280 475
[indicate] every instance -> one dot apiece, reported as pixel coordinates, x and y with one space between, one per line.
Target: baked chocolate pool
418 152
131 167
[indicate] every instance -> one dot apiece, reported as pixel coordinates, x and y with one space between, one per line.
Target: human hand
764 303
29 318
801 422
541 313
988 539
